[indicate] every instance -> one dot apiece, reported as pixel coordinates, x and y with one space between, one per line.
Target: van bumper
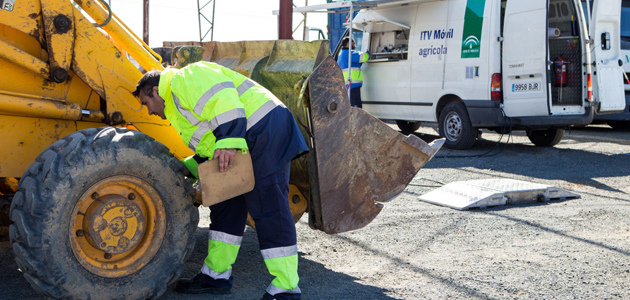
485 113
554 121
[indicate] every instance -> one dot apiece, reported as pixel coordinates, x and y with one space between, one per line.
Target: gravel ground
572 249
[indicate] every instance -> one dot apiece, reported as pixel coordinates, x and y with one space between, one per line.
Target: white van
471 64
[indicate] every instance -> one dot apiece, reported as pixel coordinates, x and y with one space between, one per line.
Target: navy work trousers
269 207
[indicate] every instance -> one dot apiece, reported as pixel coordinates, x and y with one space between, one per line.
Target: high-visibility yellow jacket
357 58
212 107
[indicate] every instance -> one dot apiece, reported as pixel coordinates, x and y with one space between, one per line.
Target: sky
234 20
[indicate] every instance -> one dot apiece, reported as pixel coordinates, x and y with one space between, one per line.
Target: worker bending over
217 112
356 75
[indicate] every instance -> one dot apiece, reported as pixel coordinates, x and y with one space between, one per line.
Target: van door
608 76
525 69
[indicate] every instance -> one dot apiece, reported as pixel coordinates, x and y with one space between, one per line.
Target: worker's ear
156 90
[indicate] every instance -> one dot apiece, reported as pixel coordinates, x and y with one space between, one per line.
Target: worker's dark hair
147 82
344 42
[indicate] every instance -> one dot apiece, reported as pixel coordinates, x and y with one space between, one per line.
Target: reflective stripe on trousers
279 252
282 263
224 248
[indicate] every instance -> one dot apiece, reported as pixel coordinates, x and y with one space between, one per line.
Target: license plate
526 87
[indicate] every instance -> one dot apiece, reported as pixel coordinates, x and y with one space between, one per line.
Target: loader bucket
359 161
227 54
253 53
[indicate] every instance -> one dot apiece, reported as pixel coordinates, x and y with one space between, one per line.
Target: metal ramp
482 193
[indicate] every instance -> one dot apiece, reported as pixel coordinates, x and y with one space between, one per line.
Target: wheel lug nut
107 256
95 196
79 232
131 196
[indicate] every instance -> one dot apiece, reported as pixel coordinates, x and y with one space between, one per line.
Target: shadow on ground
250 276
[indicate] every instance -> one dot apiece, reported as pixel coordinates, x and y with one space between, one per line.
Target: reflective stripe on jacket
212 107
355 68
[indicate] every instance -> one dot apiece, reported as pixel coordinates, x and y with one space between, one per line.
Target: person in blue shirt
356 76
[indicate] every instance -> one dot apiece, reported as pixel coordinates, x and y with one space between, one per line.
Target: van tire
545 138
455 126
54 187
408 126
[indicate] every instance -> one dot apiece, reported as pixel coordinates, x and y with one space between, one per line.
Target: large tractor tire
456 127
103 214
545 138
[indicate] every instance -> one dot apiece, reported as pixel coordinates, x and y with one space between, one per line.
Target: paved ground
573 249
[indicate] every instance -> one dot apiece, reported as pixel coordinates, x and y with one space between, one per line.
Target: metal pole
350 17
210 22
145 23
214 2
285 20
199 20
305 36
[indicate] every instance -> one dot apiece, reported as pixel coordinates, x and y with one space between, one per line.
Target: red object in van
560 67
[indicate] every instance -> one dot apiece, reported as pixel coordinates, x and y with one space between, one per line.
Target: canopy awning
372 21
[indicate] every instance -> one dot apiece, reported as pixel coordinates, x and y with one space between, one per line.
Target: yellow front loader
102 209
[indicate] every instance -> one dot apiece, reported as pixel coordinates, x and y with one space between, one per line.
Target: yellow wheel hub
118 225
115 224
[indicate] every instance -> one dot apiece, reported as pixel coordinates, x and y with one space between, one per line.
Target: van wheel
103 214
455 126
619 125
545 138
406 126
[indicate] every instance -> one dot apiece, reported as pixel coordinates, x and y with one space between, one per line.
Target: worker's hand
226 157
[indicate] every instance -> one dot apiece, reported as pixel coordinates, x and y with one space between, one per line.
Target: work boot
203 284
282 296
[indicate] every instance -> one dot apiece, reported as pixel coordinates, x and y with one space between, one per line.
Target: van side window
389 45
